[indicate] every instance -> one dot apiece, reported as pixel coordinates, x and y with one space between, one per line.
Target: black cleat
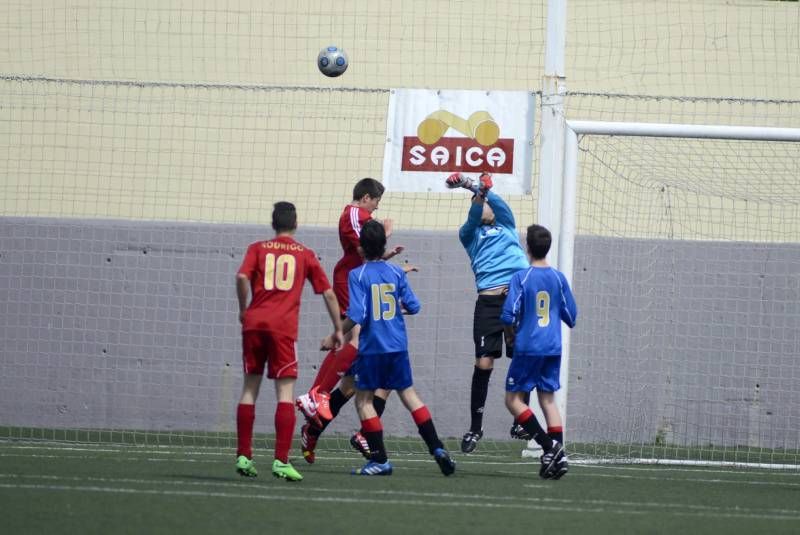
470 441
518 432
554 462
360 444
446 464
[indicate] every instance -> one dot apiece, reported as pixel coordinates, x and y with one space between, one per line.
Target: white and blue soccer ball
332 61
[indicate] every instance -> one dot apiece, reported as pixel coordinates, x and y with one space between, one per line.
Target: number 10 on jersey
279 272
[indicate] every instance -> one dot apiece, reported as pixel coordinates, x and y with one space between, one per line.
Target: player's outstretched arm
480 188
329 342
394 251
409 303
388 227
408 268
484 184
331 303
459 180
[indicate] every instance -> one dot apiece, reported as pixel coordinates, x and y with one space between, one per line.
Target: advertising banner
431 134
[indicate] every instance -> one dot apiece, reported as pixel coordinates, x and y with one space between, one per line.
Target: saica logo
479 126
481 150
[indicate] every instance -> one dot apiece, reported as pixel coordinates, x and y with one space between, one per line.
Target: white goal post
559 194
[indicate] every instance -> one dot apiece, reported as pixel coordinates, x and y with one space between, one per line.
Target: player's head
284 217
373 239
539 241
367 193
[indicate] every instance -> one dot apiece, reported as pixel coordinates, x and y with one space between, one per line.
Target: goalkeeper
490 238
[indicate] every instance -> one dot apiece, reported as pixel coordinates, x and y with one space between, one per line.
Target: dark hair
284 217
539 241
368 186
373 239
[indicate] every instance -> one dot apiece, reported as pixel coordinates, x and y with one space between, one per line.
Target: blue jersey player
490 239
379 296
539 299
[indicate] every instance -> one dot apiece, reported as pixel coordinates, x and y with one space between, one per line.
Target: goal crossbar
745 133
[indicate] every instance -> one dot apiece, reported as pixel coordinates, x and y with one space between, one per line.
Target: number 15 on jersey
384 305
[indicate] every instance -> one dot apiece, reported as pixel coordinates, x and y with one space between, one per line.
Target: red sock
529 422
372 429
327 363
341 363
284 429
525 416
421 415
371 425
245 416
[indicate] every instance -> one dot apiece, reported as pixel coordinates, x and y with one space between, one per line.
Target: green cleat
245 467
285 471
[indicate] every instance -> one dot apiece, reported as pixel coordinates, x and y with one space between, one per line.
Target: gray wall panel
115 324
697 344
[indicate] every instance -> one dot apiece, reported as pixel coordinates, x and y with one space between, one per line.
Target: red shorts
276 350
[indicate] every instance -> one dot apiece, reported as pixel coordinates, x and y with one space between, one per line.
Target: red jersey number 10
279 272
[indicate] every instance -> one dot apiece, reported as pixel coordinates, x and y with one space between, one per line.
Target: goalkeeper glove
457 180
486 184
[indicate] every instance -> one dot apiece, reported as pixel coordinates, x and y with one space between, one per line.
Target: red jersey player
274 271
317 405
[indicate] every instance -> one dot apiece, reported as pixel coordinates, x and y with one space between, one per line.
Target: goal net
142 145
126 209
143 142
687 270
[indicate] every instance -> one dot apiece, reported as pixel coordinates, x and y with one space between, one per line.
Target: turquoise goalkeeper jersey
494 250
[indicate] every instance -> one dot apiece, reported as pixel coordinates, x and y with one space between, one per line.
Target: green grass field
52 487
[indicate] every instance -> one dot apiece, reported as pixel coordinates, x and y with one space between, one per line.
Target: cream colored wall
165 140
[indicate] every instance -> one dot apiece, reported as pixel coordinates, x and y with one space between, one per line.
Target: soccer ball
332 61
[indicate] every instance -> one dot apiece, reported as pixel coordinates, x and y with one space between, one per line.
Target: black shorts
487 329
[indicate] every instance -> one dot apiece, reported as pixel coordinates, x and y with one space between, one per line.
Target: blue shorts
391 371
528 372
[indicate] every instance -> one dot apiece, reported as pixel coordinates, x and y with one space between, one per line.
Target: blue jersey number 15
383 294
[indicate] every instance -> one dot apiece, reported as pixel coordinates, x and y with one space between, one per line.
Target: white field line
575 506
354 458
355 461
185 456
699 480
250 484
330 499
400 460
172 449
482 458
683 462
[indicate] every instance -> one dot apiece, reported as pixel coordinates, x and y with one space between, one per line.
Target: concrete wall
113 324
689 342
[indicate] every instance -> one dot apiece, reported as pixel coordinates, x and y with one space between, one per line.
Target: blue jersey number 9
543 308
